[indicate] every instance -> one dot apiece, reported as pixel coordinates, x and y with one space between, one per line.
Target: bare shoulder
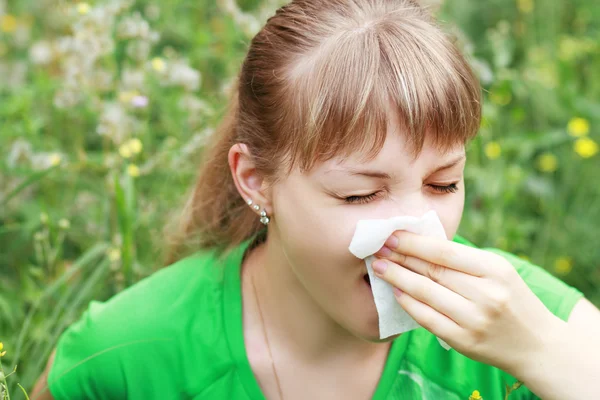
40 390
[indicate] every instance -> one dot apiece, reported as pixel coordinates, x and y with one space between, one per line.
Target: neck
294 322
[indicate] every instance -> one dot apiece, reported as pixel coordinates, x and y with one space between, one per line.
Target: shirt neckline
234 331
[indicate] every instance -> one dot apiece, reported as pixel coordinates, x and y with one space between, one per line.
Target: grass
97 148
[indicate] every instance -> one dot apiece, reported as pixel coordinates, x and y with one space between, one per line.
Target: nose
414 206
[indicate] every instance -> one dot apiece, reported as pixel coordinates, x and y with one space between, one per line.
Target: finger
459 282
429 318
440 298
444 252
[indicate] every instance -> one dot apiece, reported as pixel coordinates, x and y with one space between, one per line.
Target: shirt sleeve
87 363
556 295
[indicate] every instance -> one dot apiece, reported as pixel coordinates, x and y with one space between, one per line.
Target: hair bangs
343 93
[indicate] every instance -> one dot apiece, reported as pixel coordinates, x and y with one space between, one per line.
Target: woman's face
315 223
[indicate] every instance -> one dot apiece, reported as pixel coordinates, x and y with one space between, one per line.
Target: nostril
366 278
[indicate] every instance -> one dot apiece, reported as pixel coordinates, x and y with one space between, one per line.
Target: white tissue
369 236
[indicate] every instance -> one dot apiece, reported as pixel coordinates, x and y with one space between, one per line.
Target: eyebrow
383 175
449 164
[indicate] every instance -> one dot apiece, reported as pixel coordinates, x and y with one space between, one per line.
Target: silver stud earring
256 207
264 219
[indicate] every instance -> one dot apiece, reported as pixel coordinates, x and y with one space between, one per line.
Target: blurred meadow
105 108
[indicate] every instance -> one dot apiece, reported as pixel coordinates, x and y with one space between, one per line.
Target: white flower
20 152
134 27
181 74
114 122
41 52
139 101
44 160
139 50
133 79
66 98
247 22
64 223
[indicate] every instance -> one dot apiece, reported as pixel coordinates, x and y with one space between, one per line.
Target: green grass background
81 213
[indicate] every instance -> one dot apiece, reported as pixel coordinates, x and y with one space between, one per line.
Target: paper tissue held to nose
369 236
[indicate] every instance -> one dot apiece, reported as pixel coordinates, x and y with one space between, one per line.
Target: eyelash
452 188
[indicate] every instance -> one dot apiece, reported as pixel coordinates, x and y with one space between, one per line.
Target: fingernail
392 242
397 292
384 252
379 266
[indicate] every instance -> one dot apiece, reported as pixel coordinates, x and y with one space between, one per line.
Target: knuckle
435 272
401 258
498 304
478 335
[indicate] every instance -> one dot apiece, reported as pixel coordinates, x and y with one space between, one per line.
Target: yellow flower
133 170
2 353
525 6
55 159
83 8
135 145
475 395
124 150
127 95
114 254
131 147
563 265
493 150
547 162
158 64
8 23
578 127
585 147
64 223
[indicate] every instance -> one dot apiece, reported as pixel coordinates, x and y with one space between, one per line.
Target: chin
371 334
376 339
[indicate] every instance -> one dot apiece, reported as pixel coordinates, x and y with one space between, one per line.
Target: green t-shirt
178 334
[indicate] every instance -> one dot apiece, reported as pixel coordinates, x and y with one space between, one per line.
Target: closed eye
452 188
361 199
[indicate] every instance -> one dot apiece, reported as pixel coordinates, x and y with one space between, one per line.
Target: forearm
566 366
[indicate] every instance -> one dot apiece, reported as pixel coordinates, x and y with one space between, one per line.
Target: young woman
344 110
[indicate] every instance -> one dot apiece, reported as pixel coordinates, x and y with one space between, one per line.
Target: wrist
551 349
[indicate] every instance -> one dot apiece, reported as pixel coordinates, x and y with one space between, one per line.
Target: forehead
395 154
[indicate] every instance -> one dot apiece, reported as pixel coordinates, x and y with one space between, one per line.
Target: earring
255 207
264 219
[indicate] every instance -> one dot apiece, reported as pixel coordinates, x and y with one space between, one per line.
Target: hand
471 298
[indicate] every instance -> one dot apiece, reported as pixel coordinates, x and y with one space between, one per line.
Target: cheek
316 237
450 212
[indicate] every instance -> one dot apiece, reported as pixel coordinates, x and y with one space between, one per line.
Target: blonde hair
319 81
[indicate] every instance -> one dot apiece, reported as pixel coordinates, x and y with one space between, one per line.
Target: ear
249 183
